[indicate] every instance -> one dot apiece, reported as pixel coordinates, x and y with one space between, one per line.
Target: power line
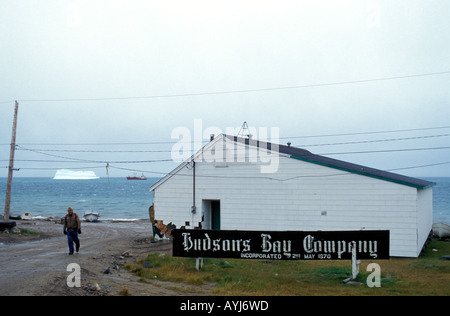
80 160
238 91
90 161
168 151
376 141
368 133
383 151
71 168
267 177
99 144
421 166
163 174
46 151
99 151
71 159
286 137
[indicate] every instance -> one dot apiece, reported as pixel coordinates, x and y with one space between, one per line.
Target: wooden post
11 164
355 268
355 263
199 264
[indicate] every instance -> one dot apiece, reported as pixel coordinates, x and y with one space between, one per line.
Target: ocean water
119 198
113 198
441 200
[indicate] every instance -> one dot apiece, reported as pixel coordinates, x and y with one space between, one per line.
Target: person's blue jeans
72 237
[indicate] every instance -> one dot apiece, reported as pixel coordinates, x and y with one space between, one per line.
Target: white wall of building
299 196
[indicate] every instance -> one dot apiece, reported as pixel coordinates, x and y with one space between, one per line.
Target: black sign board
281 245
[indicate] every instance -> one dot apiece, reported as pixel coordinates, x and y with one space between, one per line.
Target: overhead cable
178 95
383 151
287 137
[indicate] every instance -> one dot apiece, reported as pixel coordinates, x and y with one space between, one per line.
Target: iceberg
65 174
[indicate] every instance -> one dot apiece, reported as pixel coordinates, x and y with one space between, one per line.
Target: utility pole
11 164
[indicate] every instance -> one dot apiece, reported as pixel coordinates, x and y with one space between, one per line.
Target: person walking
72 227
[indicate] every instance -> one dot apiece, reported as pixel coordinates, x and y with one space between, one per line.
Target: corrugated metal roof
305 155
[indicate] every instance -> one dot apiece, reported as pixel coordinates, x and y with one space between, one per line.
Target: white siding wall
424 216
299 196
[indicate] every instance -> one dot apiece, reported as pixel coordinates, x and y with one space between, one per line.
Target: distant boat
26 215
135 177
91 216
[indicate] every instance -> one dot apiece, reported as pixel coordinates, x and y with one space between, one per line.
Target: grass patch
426 275
168 268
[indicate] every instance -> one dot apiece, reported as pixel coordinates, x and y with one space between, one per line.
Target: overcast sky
91 72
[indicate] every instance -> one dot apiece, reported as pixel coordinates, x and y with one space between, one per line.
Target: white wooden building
242 184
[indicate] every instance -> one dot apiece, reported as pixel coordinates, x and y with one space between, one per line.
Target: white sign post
355 266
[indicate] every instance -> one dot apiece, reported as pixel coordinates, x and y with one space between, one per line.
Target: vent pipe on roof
289 144
211 137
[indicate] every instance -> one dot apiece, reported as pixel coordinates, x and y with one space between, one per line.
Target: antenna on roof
245 131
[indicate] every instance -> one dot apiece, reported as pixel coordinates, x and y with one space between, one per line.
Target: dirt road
37 264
